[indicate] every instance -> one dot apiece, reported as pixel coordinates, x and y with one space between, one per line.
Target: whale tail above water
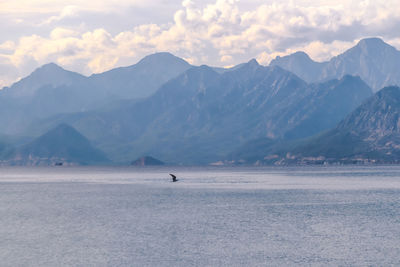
173 178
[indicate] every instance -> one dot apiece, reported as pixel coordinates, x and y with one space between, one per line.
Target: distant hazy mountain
302 65
49 75
48 90
202 115
370 134
142 79
325 105
62 144
198 115
136 81
51 90
376 62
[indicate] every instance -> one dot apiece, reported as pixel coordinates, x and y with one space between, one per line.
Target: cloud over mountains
88 36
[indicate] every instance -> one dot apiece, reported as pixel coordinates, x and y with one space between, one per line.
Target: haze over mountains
164 107
369 134
376 62
200 115
63 144
51 90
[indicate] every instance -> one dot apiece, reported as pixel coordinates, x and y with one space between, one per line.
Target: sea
213 216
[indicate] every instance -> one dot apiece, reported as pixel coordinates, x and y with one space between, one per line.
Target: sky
90 36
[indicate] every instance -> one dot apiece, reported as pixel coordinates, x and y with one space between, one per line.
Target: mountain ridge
145 77
202 115
375 61
198 114
27 102
62 144
368 135
49 74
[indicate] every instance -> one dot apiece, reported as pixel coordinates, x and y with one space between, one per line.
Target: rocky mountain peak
372 43
378 116
162 57
376 62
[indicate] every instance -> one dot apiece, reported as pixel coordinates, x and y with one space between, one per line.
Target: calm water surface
325 216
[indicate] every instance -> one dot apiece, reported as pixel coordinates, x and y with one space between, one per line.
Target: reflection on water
212 216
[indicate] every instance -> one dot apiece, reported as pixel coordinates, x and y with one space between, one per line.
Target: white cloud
7 46
66 12
50 6
223 32
60 33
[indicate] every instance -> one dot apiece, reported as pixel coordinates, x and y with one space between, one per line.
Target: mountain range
62 145
369 134
51 90
183 114
376 62
201 115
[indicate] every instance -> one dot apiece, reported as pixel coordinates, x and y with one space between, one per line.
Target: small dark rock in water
147 161
58 164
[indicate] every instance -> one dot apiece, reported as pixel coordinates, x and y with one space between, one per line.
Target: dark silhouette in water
173 178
